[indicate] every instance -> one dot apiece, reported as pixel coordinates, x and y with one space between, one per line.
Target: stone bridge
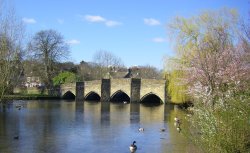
125 89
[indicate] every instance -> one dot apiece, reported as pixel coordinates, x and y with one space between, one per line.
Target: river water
90 127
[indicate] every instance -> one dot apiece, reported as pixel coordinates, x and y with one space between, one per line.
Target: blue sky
134 30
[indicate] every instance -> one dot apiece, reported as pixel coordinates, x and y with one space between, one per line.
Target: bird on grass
177 122
176 119
133 147
178 129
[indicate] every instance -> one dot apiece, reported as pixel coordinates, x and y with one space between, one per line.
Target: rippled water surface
89 127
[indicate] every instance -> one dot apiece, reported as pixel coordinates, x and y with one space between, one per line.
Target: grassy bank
29 97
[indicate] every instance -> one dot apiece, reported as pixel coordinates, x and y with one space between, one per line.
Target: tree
212 55
105 60
176 88
88 71
11 50
66 66
64 77
148 72
206 50
48 47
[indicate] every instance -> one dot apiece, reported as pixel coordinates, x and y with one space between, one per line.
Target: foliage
175 88
64 77
213 53
207 53
224 129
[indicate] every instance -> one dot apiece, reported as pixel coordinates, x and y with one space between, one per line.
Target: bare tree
149 72
49 47
11 39
105 61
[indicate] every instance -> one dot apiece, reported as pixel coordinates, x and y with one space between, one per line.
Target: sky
134 30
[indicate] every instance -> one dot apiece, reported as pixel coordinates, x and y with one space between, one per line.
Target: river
52 126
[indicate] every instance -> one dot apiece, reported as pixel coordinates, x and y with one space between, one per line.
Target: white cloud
100 19
73 42
110 23
29 20
94 18
159 40
60 21
151 22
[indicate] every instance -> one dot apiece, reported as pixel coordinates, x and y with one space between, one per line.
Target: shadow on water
6 105
120 96
151 101
92 96
105 113
134 113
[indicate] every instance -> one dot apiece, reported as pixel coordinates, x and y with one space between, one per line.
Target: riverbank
30 97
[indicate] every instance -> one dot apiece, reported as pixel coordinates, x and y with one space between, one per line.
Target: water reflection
62 126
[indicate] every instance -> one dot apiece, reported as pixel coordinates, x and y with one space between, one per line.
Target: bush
224 128
64 77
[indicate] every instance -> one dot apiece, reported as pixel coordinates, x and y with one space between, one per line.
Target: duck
19 107
162 129
178 129
125 102
176 119
141 129
133 147
16 137
177 124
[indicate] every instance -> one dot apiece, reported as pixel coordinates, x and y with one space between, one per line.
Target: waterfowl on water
141 129
19 107
133 147
162 129
16 137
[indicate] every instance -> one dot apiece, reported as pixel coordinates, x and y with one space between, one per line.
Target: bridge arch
92 96
68 95
119 96
133 90
123 85
151 99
